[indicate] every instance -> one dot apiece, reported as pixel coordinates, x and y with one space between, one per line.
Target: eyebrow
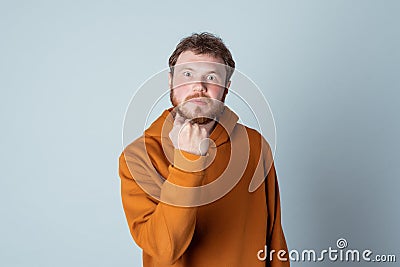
186 68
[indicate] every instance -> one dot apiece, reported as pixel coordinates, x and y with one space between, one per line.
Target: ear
226 88
228 84
170 80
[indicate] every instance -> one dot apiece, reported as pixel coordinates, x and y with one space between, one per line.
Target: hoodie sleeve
275 236
163 231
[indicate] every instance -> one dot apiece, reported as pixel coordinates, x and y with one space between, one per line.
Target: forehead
204 62
189 56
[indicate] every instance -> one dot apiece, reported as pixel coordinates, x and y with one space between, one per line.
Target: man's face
198 86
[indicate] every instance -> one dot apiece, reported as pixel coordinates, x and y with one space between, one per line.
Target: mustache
197 96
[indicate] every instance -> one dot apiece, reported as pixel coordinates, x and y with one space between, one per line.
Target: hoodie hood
161 127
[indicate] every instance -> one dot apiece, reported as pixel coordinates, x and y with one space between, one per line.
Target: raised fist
189 137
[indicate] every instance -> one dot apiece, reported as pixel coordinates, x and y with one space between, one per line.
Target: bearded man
185 182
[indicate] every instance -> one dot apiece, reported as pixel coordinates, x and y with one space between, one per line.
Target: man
198 188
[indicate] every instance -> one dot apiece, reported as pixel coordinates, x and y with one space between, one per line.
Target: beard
200 114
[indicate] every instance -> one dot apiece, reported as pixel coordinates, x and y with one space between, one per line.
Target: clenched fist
189 137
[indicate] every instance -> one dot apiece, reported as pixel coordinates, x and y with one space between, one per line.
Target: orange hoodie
209 211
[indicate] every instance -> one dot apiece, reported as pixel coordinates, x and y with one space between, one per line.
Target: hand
189 137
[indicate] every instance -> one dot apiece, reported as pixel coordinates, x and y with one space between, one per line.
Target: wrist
189 162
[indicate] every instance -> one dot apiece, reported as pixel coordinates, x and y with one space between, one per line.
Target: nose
199 87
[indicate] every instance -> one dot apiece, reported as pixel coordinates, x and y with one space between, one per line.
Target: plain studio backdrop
68 69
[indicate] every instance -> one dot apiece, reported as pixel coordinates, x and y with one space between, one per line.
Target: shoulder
136 153
254 136
147 152
141 145
259 147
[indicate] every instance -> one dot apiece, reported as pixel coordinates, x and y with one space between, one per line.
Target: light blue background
68 69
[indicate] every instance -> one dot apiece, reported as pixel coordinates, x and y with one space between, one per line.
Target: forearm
162 230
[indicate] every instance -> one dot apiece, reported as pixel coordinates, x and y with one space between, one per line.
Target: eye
211 77
187 73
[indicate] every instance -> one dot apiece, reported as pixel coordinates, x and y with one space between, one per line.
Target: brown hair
204 43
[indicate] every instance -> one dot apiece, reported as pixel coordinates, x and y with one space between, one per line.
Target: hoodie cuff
182 188
189 162
185 176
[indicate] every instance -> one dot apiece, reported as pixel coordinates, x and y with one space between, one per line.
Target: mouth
198 101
